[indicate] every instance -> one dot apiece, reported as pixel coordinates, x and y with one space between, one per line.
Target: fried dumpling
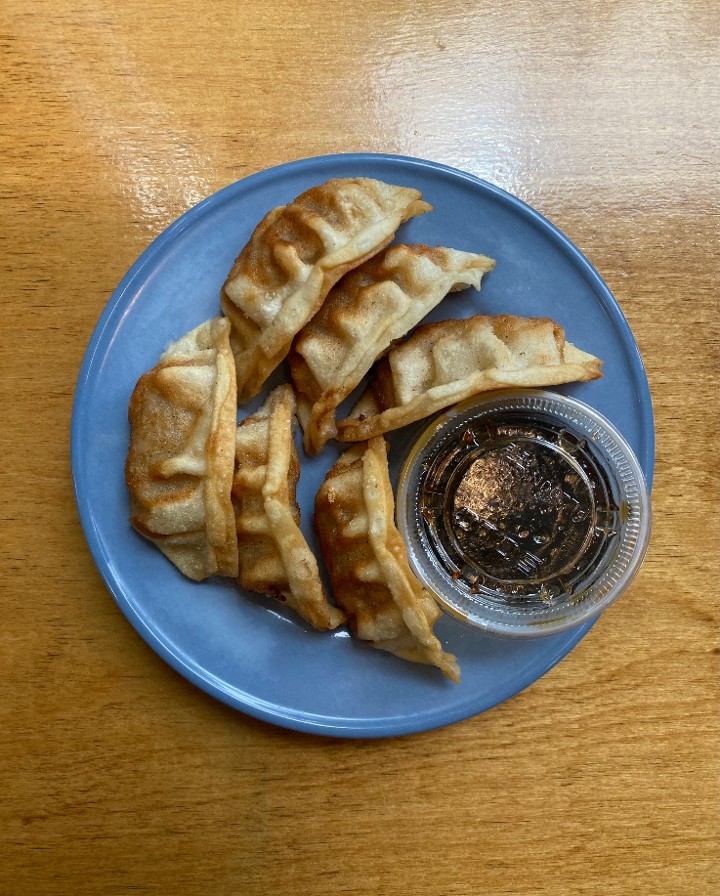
362 316
443 363
179 466
367 560
295 256
275 558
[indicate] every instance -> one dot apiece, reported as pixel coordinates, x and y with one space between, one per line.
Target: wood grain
117 775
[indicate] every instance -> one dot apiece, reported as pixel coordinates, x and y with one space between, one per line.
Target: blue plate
243 648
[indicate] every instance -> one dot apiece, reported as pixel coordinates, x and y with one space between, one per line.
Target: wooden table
117 774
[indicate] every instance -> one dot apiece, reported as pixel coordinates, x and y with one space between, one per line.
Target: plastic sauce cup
525 512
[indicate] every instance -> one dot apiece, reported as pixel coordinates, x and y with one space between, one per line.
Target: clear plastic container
524 512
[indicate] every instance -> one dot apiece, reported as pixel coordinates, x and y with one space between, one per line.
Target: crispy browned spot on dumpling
295 256
363 315
275 558
443 363
367 560
180 460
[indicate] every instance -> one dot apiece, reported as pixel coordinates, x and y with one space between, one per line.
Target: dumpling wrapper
367 560
295 256
363 315
180 461
274 557
443 363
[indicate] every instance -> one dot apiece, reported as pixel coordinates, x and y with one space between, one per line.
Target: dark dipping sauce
517 511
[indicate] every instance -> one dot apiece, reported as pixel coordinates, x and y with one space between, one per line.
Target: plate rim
378 727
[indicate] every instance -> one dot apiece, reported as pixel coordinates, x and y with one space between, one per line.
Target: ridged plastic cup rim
620 464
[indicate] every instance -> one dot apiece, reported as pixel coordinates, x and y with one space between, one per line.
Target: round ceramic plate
245 649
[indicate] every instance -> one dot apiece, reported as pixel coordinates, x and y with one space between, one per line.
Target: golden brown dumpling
443 363
362 316
275 558
367 560
295 256
180 461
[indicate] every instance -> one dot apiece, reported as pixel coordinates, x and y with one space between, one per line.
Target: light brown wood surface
119 776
